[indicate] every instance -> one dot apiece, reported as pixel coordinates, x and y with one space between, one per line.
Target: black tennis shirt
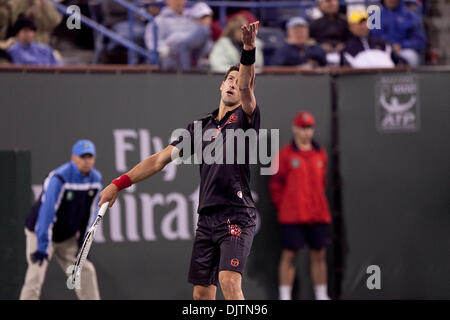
224 183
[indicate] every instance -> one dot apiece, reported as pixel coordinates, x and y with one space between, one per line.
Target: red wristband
123 182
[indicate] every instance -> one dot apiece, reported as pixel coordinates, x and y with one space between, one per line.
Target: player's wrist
122 182
248 56
249 46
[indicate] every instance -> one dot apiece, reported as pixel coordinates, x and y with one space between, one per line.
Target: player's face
304 134
84 163
230 90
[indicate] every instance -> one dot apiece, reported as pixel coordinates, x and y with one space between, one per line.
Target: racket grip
103 209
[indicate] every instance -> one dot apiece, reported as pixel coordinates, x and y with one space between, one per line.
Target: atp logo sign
397 104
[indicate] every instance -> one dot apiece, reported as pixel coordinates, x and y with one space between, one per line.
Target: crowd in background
192 37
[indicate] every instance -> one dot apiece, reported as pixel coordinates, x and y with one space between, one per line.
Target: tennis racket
87 242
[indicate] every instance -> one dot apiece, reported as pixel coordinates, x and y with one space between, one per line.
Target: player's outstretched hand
249 33
108 194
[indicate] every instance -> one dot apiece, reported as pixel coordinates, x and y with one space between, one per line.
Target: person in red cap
298 192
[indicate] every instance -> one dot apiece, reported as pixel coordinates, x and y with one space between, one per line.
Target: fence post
131 53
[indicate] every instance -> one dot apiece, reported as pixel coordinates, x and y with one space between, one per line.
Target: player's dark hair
232 68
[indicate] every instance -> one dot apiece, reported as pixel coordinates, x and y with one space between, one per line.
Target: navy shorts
222 241
296 236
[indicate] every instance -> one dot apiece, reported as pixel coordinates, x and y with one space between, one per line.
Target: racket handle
103 209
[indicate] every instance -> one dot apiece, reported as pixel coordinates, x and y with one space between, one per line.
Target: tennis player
58 221
227 220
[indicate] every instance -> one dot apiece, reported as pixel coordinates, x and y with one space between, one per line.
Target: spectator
154 6
227 50
116 18
43 13
414 6
180 39
403 29
203 15
245 13
217 28
298 192
331 30
361 41
299 49
5 16
4 25
25 50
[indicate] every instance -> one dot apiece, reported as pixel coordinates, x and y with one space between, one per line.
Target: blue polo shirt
33 54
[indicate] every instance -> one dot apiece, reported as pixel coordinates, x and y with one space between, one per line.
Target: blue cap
82 147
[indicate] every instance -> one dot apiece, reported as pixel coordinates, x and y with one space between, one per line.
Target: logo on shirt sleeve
239 194
69 196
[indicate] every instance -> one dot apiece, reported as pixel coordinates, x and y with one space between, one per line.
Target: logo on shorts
234 262
234 229
239 194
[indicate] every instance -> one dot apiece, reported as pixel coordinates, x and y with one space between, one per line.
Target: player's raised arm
246 78
143 170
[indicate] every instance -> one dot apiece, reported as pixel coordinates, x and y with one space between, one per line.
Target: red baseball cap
304 119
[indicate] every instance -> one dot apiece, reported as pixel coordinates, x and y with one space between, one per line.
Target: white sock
321 293
285 292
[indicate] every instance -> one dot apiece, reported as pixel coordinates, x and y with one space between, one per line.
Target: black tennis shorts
296 236
223 240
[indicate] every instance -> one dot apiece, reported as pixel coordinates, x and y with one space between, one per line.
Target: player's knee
35 279
319 255
203 293
32 292
32 288
230 283
288 256
199 295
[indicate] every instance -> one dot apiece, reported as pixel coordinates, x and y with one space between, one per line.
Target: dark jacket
332 31
355 45
293 55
